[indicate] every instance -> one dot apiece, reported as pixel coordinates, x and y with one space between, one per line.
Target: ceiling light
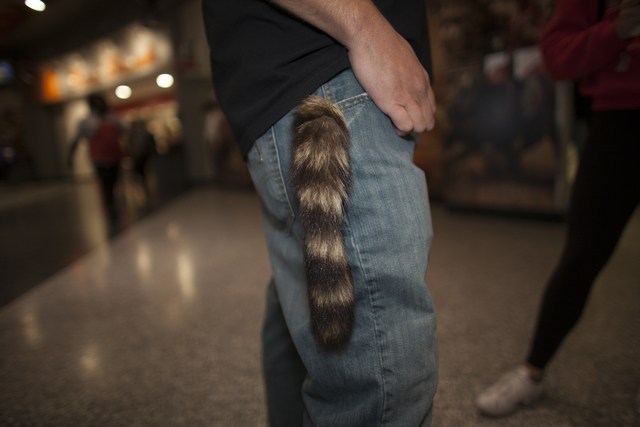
165 80
123 92
35 5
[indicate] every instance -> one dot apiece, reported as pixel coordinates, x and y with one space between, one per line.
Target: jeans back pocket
266 162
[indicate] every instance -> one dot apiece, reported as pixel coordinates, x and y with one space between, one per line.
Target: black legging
605 194
108 176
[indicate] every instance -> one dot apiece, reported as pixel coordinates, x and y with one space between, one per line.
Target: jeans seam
259 152
283 187
365 280
328 93
345 104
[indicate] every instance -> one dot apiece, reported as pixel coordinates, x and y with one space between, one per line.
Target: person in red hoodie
599 44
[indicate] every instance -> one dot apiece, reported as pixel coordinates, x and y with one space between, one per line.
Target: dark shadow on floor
45 226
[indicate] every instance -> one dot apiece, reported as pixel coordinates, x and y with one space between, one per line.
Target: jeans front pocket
265 162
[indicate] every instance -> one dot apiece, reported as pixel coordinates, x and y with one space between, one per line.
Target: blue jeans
387 373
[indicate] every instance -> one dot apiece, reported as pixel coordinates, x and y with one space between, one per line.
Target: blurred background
499 166
149 60
52 59
505 140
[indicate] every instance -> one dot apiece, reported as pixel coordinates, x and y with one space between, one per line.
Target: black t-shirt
264 60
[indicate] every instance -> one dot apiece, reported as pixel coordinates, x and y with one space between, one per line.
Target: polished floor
157 322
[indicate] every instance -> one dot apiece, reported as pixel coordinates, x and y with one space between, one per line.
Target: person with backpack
599 44
103 131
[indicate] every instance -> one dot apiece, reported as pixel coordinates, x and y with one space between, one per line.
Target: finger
399 132
401 121
427 111
430 94
421 110
419 114
432 100
427 102
431 118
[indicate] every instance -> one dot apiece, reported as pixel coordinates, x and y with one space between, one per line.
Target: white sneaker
514 388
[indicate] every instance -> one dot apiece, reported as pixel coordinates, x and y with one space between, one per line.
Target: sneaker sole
520 405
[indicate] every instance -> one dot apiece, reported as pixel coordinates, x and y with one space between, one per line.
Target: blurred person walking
103 131
598 42
142 147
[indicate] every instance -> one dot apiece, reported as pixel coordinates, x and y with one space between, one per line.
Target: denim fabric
387 374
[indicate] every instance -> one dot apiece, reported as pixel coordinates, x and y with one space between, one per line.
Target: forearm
350 22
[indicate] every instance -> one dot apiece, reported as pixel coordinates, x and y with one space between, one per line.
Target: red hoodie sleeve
575 44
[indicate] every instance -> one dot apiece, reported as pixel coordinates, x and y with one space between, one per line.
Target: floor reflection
161 326
45 226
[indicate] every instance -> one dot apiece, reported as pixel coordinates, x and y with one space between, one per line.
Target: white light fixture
165 80
123 92
35 5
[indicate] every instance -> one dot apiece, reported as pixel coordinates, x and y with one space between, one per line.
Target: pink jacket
576 45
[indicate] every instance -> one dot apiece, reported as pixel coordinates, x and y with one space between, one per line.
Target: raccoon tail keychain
320 176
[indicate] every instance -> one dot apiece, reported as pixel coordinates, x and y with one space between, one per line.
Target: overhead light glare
164 80
123 92
36 5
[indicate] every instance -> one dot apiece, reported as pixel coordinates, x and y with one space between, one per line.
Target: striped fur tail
320 176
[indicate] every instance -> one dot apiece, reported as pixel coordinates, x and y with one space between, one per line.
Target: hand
383 62
387 68
628 24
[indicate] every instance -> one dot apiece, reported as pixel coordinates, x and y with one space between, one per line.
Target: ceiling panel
69 24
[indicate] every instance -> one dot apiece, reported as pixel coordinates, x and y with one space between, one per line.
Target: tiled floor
159 326
44 226
486 276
